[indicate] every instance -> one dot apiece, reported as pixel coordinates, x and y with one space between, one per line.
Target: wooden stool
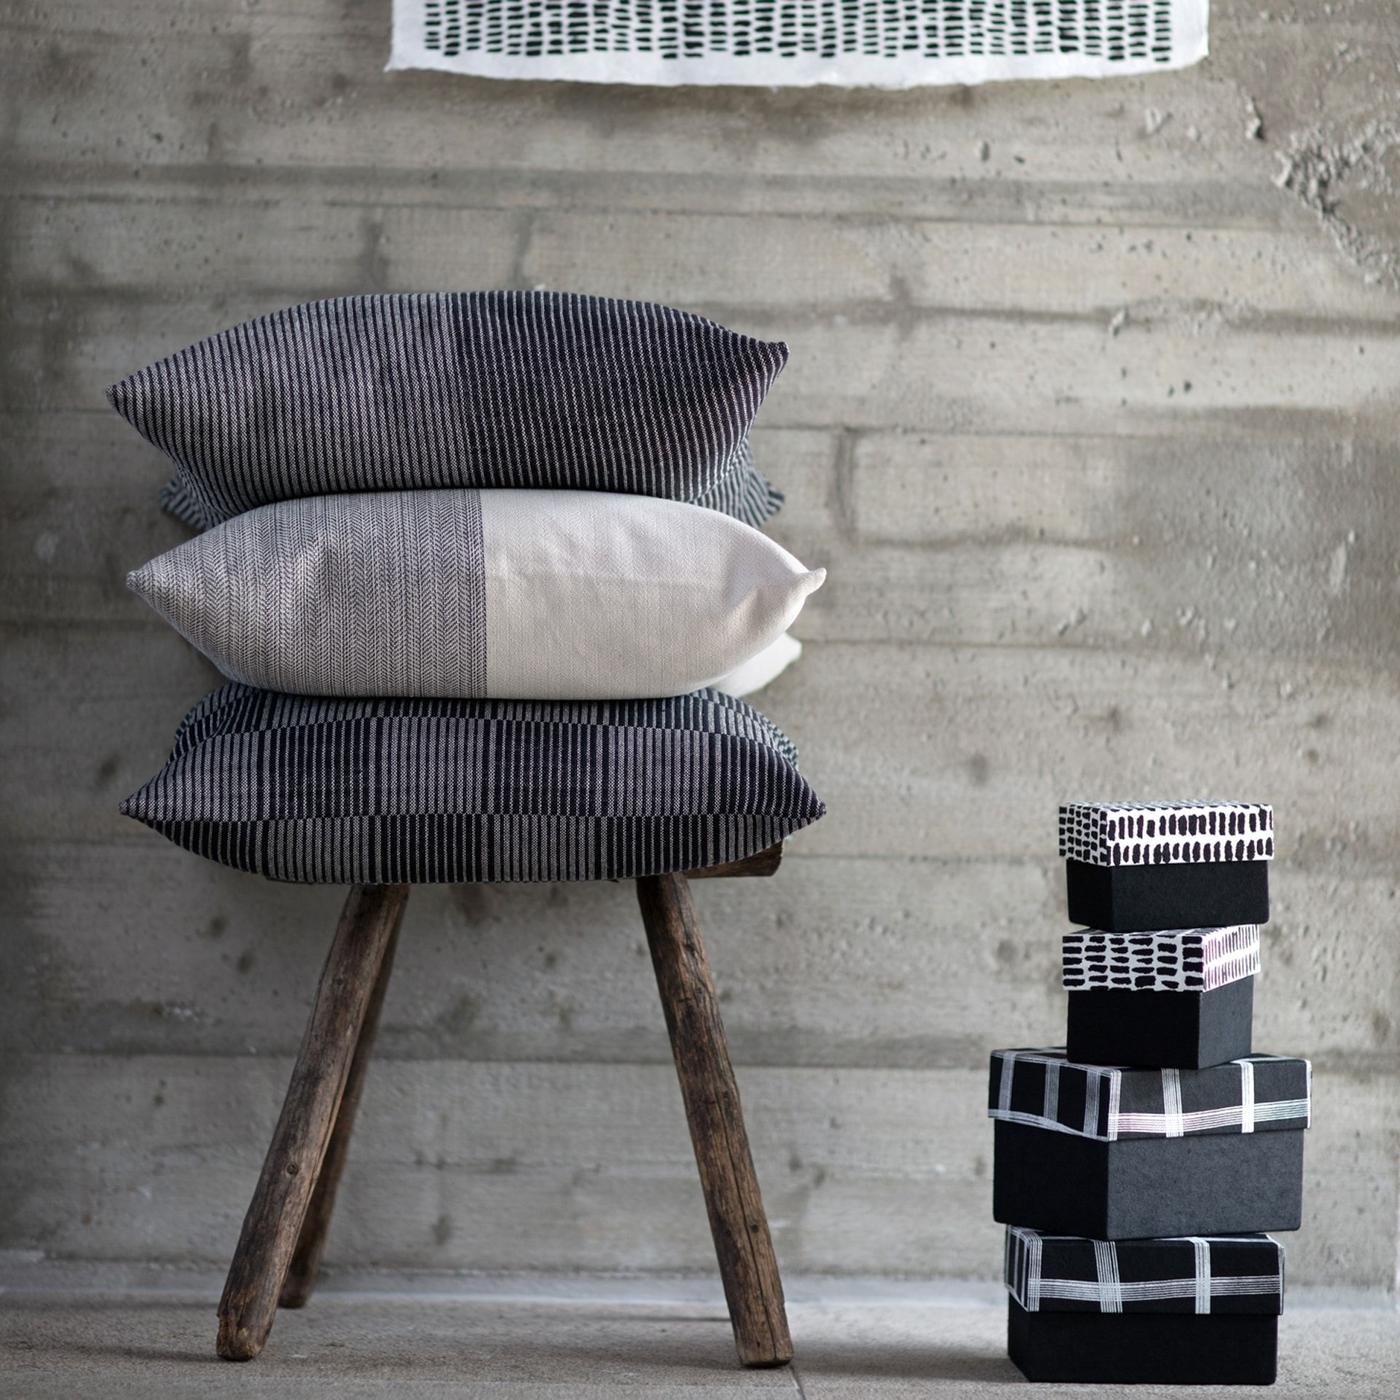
279 1251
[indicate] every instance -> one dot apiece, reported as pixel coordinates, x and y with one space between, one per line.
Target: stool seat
277 1260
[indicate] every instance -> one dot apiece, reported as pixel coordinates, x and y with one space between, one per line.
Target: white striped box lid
1188 832
1168 960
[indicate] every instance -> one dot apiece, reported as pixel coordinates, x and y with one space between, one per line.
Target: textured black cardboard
1143 898
1135 1348
1161 1030
1200 1184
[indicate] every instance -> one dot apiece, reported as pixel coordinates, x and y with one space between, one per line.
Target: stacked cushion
516 594
369 791
455 547
505 389
744 492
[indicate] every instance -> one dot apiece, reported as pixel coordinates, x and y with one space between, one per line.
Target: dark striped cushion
534 389
383 791
745 493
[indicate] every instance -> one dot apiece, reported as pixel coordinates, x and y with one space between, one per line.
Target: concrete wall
1091 413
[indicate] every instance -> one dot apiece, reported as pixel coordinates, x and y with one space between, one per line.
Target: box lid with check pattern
1186 1274
1197 1309
1115 1153
1042 1089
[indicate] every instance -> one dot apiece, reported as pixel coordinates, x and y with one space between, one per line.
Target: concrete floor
583 1340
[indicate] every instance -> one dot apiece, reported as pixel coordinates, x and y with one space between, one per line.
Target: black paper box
1205 1184
1189 1311
1137 1348
1121 1153
1131 898
1178 1030
1167 865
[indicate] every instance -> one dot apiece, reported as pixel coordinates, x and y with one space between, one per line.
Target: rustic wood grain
748 1267
273 1224
305 1267
760 863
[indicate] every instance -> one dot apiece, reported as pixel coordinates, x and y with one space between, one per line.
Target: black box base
1142 1348
1141 898
1162 1030
1139 1188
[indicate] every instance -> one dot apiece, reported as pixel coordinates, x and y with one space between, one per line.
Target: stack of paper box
1138 1167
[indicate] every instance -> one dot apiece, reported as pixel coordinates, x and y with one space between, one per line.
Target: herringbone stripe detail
371 593
347 791
525 389
587 594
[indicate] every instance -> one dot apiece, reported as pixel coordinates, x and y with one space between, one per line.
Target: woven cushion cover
387 791
762 670
510 389
463 593
744 492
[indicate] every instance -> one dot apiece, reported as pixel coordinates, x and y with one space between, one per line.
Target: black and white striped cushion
387 791
534 389
745 493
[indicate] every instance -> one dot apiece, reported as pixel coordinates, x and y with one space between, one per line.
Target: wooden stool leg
305 1267
274 1220
752 1286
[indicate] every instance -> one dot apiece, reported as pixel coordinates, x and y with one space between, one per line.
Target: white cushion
463 593
763 669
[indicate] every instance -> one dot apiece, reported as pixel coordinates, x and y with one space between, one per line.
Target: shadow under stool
284 1233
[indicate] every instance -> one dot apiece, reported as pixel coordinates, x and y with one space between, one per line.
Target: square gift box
1198 1310
1116 1153
1131 866
1173 998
